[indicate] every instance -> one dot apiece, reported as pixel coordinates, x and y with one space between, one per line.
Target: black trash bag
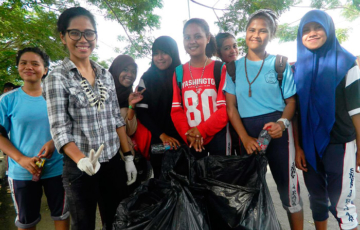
178 161
238 196
181 162
166 204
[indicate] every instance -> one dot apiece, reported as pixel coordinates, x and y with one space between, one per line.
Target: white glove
90 165
130 169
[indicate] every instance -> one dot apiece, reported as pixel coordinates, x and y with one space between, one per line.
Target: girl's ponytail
211 47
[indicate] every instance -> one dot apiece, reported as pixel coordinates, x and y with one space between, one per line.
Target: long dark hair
211 46
220 38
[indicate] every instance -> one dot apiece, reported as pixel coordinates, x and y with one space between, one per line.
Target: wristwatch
285 121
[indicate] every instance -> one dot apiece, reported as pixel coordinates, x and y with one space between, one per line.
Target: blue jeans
106 188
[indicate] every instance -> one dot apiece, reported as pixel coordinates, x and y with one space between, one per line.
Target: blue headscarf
317 74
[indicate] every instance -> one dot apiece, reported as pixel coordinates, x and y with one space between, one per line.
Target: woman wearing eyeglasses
84 117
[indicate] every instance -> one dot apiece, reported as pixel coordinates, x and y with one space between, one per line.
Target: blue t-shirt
26 119
266 95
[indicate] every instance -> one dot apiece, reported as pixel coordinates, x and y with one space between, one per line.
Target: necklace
202 74
247 78
95 99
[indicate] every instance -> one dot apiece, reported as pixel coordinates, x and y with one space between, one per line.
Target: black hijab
163 78
118 65
159 89
169 46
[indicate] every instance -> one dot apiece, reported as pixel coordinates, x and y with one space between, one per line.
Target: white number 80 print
208 102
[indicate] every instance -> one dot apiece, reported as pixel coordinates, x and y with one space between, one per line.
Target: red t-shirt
204 108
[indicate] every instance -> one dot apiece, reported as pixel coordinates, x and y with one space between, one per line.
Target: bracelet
128 153
130 107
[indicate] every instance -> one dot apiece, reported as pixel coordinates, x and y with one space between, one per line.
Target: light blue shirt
26 119
266 95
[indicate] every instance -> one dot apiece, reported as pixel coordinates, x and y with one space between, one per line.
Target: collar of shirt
69 65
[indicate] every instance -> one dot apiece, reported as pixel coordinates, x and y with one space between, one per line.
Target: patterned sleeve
288 84
352 91
57 99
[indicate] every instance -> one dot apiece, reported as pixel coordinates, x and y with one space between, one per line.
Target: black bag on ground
238 196
166 204
215 192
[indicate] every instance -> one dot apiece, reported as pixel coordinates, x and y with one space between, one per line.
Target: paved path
308 221
7 212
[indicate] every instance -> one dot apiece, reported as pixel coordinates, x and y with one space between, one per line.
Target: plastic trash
213 193
160 148
238 196
264 140
163 204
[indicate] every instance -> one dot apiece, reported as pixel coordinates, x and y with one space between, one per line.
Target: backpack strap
179 77
280 65
231 70
217 73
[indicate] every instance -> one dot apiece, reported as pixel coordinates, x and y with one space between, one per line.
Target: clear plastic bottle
160 148
263 140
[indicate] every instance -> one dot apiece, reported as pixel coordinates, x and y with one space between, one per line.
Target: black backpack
280 65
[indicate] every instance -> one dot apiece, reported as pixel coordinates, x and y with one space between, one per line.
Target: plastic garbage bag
238 196
166 204
213 193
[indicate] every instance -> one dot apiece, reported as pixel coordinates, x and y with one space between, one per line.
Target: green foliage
356 3
287 33
342 34
104 64
25 23
235 19
351 11
137 19
22 26
243 49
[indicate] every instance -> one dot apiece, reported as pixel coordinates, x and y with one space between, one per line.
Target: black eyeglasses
76 35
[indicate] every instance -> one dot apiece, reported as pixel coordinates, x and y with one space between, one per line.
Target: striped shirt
80 113
347 104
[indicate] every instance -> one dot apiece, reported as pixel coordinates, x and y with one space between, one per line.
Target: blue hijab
317 74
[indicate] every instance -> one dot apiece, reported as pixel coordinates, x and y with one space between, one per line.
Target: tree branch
213 8
123 26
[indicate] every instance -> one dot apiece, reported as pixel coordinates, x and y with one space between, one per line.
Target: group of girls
91 115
